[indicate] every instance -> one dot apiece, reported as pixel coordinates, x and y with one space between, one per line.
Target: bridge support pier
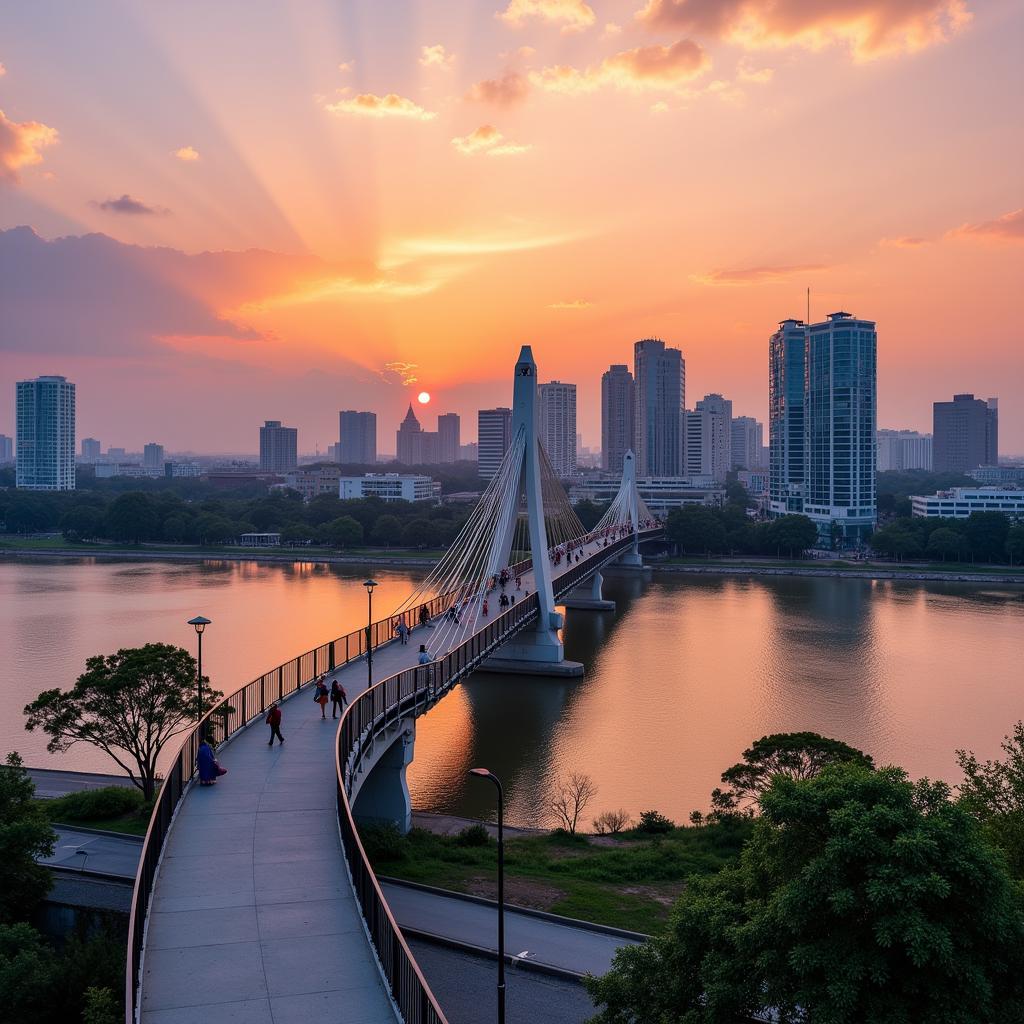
589 598
383 797
534 653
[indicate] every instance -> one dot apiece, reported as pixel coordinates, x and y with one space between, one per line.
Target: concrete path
562 946
95 852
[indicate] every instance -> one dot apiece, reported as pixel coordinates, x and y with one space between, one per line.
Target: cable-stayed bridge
255 900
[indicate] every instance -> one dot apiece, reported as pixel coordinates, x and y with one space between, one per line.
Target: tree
695 529
132 518
571 799
945 541
1015 543
388 530
25 835
794 755
296 533
212 528
986 534
129 704
343 532
792 533
993 793
84 522
417 533
611 823
860 896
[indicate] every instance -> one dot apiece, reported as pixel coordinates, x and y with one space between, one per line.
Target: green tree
792 533
860 896
417 533
29 975
212 528
792 755
696 530
84 522
132 518
944 542
129 704
993 793
388 530
297 533
986 535
1015 543
343 532
25 835
177 529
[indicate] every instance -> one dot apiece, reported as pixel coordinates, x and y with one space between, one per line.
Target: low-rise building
754 480
660 493
106 470
260 540
389 487
182 469
998 476
311 482
960 502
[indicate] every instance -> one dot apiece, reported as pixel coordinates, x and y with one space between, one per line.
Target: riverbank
864 571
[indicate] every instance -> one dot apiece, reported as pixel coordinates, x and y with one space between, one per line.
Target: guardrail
382 706
227 717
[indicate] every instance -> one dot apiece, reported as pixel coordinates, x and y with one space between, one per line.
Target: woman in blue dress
207 765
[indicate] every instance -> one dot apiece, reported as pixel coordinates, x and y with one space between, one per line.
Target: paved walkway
556 944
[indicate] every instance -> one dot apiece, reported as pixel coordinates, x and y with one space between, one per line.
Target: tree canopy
128 704
25 834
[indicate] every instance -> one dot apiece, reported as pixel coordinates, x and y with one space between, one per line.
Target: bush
382 842
611 823
96 804
655 823
473 835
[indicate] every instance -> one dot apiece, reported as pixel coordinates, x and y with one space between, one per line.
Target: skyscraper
660 385
786 417
618 422
715 440
409 440
6 448
494 435
747 443
840 398
557 403
45 434
965 434
153 459
903 449
449 431
278 447
357 437
91 449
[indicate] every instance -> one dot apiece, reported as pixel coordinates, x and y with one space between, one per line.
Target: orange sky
435 184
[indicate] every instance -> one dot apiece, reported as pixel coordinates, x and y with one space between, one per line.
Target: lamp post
200 623
369 584
485 773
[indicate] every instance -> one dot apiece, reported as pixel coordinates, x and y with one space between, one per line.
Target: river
681 678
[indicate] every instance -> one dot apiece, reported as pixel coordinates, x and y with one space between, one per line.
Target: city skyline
308 275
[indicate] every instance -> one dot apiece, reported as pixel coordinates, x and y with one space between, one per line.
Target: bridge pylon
632 558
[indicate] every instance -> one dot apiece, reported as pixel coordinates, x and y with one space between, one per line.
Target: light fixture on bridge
369 583
200 622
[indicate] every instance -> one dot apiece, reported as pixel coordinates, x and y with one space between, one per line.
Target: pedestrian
320 697
512 599
424 655
209 769
273 719
339 698
484 609
403 631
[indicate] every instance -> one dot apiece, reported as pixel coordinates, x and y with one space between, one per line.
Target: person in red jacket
274 721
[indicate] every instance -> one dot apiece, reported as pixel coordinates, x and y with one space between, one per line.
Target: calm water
679 679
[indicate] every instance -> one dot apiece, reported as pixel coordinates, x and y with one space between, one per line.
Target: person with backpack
320 697
339 698
273 719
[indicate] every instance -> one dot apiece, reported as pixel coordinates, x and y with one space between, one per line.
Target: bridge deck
253 920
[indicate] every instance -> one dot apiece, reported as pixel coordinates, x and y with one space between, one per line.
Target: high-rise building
786 417
840 402
409 440
6 448
153 459
903 449
448 437
557 403
965 434
659 379
618 422
117 454
357 437
714 414
747 443
494 435
46 434
279 447
91 449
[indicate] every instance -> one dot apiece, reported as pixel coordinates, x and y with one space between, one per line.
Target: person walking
320 697
273 719
403 632
339 698
424 616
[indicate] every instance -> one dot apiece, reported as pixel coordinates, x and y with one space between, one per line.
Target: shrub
382 842
655 823
473 835
611 823
96 804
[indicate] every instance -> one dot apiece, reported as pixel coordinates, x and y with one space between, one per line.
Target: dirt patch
523 892
666 894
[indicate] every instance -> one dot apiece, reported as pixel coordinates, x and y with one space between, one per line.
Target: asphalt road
92 852
51 782
465 987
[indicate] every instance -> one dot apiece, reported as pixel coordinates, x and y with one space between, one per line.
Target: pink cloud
1007 228
20 143
510 89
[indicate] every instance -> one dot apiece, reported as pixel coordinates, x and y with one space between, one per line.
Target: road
95 853
52 783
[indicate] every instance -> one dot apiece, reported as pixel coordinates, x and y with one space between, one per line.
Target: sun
423 397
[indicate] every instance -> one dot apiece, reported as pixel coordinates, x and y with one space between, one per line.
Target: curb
98 831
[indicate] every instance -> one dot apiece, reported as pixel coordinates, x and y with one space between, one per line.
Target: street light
485 773
369 584
200 623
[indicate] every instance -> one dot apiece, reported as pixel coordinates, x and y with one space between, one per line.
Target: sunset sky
216 213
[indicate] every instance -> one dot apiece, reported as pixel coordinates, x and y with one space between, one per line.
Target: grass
110 809
629 882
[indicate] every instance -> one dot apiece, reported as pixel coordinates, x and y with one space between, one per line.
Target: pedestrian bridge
255 901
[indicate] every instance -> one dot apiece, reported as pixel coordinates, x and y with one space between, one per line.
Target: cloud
611 30
132 207
3 71
400 373
187 154
757 275
487 139
20 143
870 28
436 57
347 65
646 67
903 242
574 304
1007 228
471 245
572 15
506 91
748 74
367 104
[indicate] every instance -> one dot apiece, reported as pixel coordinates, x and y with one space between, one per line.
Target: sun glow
423 397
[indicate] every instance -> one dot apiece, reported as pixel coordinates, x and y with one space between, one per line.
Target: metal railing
228 716
380 709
